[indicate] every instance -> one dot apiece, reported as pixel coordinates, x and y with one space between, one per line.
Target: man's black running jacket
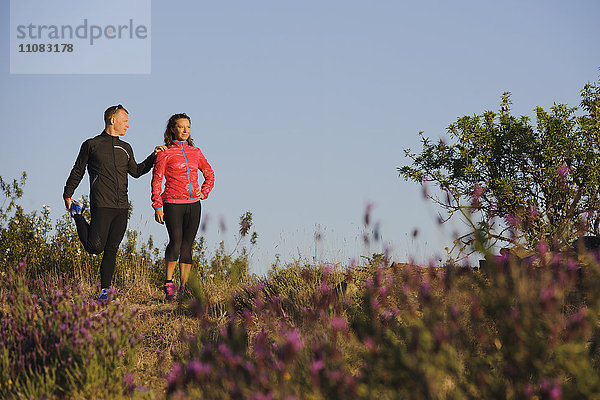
108 160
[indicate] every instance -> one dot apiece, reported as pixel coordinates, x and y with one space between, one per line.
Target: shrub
518 329
57 342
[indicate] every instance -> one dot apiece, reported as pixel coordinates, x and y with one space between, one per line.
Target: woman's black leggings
182 221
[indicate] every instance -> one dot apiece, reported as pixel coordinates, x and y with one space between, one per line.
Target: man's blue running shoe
103 296
76 208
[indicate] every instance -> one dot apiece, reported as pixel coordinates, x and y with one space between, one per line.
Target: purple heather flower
563 170
376 232
425 288
533 212
511 220
545 385
579 316
556 391
547 294
454 312
175 375
477 192
375 303
244 227
338 323
424 190
129 382
222 226
317 366
572 265
336 376
529 391
368 209
324 288
553 390
197 368
384 291
263 396
205 220
294 340
543 246
225 352
440 334
259 287
514 313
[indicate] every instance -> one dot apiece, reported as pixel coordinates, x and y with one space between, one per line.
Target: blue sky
304 109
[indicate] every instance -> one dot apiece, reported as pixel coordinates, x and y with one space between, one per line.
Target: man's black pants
103 234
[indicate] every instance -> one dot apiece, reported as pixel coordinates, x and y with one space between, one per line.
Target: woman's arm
208 173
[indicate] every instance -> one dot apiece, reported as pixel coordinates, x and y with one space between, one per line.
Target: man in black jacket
108 160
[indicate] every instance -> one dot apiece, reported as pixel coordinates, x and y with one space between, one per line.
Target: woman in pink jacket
178 205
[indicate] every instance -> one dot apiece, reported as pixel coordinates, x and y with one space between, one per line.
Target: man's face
120 122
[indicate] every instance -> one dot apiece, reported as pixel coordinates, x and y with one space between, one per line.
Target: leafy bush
545 175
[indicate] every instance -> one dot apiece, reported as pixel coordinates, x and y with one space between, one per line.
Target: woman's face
182 129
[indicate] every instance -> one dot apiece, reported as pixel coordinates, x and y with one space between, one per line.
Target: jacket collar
104 134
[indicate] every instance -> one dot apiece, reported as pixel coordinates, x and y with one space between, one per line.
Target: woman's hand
199 194
159 215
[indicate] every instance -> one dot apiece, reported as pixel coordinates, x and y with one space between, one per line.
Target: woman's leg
185 272
174 217
174 220
170 267
190 228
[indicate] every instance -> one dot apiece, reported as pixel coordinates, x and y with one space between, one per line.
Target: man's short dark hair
111 111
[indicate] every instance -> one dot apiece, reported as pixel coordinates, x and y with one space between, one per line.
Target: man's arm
136 170
77 172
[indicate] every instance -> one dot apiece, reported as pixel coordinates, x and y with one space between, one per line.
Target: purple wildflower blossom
317 366
338 323
563 170
197 368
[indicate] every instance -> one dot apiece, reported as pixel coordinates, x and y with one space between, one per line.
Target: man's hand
199 194
159 215
158 149
68 203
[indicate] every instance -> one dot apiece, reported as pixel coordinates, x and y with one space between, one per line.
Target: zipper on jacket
116 172
187 165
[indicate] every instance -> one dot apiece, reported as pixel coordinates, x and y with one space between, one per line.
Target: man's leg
118 225
93 236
